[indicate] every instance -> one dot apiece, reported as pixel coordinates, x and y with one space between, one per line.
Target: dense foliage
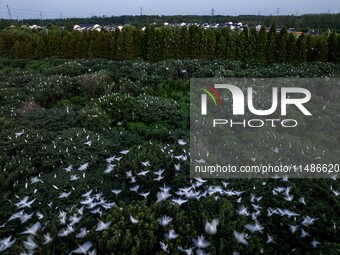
159 43
79 137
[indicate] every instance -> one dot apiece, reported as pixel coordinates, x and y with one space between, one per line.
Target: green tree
230 40
155 44
291 44
90 50
252 43
64 47
271 44
184 44
79 47
261 45
3 49
119 46
106 38
220 46
69 25
243 45
208 44
138 37
320 49
281 47
176 45
52 46
128 43
98 51
332 47
167 35
85 45
144 42
301 52
72 45
18 51
40 47
194 41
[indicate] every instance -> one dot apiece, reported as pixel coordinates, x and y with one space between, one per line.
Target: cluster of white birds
94 202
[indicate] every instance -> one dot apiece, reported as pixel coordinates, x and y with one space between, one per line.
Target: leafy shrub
95 84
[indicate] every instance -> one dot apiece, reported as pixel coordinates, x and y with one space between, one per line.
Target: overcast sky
86 8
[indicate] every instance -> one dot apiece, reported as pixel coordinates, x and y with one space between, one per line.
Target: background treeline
306 22
159 43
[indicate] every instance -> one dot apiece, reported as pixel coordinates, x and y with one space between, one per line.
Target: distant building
314 32
298 33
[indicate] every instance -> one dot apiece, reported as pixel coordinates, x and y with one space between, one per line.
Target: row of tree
305 22
155 44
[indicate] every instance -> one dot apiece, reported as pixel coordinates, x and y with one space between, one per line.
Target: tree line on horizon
159 43
321 22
